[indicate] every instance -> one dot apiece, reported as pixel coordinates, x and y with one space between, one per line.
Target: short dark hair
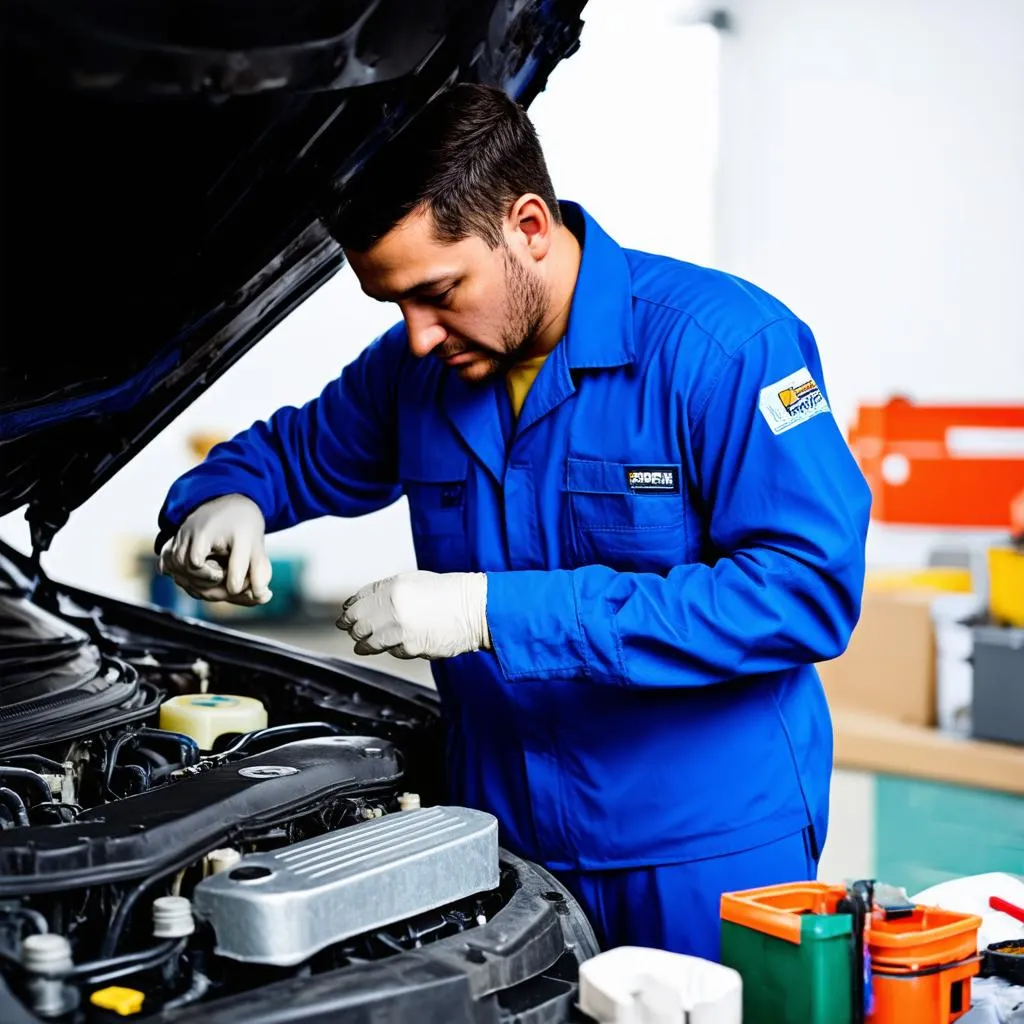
468 156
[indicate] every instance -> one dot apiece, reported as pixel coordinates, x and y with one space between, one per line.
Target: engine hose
42 763
112 754
390 942
186 747
15 805
120 918
152 756
65 813
39 922
97 972
275 732
198 989
35 781
141 773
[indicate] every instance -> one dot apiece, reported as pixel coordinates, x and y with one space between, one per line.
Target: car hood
163 177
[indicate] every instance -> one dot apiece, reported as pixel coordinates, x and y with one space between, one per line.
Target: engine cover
156 832
283 907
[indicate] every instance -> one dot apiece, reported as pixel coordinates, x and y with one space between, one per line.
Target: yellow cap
123 1001
205 716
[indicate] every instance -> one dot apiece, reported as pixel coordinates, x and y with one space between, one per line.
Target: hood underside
164 167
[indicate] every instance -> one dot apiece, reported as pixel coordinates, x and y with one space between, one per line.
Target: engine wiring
52 785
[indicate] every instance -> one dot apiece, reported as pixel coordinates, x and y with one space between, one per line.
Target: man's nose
425 331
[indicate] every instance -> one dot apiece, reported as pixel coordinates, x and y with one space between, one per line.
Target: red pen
998 903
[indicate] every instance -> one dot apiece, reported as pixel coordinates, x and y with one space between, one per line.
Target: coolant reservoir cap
172 917
48 953
205 716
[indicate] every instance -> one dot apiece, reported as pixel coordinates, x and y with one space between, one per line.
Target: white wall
629 126
849 851
872 176
635 145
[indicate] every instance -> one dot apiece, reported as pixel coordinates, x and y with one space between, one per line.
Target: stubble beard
526 302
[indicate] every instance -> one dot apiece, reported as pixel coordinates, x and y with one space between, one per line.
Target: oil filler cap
122 1001
205 716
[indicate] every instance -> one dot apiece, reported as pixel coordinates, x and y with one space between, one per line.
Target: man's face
469 305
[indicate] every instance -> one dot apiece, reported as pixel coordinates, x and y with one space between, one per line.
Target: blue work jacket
673 533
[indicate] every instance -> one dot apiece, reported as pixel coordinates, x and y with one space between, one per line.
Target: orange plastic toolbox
941 465
922 966
1017 515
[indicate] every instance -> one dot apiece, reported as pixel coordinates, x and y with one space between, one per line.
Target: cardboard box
889 667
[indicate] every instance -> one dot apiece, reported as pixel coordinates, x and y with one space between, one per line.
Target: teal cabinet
929 832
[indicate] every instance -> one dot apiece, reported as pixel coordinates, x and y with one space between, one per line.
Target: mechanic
636 522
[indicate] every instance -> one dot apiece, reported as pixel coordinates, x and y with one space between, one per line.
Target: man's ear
531 225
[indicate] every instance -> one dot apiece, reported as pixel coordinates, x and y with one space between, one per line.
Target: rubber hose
35 781
15 805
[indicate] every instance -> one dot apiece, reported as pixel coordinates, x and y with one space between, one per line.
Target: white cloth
419 615
995 1001
634 985
970 895
218 553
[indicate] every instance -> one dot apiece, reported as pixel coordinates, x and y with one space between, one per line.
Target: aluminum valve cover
283 907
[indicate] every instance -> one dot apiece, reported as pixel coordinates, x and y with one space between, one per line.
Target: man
636 521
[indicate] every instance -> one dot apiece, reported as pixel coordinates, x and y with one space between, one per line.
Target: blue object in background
287 603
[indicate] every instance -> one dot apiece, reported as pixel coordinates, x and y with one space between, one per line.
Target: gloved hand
218 553
420 615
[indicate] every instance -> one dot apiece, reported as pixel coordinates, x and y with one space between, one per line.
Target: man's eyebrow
431 285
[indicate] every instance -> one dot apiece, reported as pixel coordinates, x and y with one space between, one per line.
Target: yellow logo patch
791 401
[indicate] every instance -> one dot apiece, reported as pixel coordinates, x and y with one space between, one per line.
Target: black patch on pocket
451 495
652 479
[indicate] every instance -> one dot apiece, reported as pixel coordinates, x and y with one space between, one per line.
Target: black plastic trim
150 834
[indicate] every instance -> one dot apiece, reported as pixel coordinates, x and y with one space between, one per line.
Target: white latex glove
218 553
420 615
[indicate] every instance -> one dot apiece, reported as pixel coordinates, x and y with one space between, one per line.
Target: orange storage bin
1017 516
941 465
778 910
922 966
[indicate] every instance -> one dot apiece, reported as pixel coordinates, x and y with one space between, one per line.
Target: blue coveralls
673 533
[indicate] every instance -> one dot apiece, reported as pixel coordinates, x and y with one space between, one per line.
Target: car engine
179 828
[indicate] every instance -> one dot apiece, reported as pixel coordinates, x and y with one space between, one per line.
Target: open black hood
164 165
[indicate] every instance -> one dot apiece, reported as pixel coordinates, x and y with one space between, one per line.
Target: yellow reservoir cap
205 716
122 1001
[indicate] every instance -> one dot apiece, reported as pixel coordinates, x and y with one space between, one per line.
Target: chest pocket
438 512
613 525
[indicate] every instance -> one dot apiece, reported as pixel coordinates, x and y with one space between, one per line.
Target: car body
165 168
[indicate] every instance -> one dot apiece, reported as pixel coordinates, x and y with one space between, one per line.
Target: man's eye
443 298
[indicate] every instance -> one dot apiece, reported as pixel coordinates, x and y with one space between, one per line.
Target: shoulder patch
791 401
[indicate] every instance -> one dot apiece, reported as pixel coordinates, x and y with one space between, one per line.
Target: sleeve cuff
534 625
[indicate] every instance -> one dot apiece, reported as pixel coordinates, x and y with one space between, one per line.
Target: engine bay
189 816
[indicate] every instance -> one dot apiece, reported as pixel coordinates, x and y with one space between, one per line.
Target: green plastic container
803 979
